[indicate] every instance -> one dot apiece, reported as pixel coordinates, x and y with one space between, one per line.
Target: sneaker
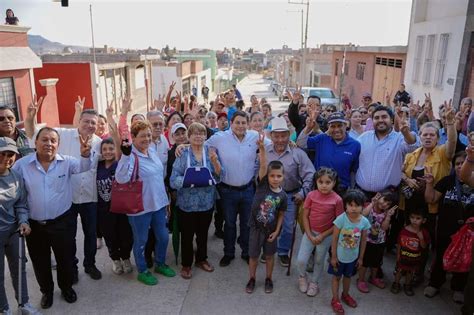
250 286
362 286
395 289
100 243
147 278
263 259
408 289
302 284
313 289
284 260
27 309
225 261
93 272
430 291
379 283
268 285
165 270
346 298
127 266
337 306
117 267
7 312
458 297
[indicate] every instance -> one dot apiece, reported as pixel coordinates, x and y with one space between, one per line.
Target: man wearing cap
13 219
298 180
48 180
333 149
299 120
366 99
222 123
8 129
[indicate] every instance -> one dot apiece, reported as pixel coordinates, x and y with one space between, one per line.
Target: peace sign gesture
159 104
79 104
391 211
449 112
126 105
85 146
388 98
261 141
295 97
34 106
109 111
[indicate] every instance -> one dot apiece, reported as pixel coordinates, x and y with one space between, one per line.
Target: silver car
326 95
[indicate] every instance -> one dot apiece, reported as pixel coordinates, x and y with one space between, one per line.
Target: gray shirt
13 202
299 170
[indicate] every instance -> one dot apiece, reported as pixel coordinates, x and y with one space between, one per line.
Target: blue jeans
306 250
88 213
236 202
286 236
140 225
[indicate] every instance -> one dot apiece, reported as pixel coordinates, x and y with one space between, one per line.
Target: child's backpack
458 255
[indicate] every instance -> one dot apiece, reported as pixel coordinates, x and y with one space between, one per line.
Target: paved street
222 292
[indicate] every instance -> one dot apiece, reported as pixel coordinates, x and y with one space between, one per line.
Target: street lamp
305 39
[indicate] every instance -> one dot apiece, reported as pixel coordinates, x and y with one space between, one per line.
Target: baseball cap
279 124
221 115
336 117
7 144
367 95
178 126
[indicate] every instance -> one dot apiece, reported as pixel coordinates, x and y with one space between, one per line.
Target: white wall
162 77
439 17
207 75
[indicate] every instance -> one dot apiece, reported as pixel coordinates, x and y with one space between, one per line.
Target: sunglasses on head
10 118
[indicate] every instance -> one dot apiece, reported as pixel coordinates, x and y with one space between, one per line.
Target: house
440 58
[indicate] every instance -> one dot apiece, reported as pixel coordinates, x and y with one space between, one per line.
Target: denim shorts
344 269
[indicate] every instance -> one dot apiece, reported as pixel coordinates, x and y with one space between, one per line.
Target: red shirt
410 249
323 209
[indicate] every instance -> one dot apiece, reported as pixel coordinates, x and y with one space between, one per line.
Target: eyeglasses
157 124
10 118
8 154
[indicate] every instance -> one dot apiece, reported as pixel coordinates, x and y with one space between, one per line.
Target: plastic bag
458 255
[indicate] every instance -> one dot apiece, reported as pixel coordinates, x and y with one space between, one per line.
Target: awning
16 58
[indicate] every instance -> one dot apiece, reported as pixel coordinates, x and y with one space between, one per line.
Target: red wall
21 80
74 80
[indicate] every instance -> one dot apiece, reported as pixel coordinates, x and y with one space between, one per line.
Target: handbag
127 198
458 255
198 176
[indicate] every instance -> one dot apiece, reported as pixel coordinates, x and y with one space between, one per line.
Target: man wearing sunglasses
8 129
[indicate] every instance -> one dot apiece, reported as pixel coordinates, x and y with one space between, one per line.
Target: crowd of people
361 181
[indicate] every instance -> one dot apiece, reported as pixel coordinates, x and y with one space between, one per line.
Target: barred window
360 71
7 95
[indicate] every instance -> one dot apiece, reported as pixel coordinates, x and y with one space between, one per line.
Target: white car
326 95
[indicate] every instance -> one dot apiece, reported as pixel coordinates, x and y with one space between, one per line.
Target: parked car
285 96
326 95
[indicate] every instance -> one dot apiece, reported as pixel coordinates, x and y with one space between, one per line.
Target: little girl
379 212
116 229
321 207
349 239
268 207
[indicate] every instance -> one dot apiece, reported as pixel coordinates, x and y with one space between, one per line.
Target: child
116 229
349 239
321 207
379 214
412 241
265 222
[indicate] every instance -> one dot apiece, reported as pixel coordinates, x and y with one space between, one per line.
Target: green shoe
165 270
147 278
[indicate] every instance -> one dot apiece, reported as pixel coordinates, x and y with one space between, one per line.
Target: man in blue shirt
334 148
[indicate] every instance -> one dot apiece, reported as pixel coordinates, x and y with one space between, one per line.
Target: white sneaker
430 291
117 267
302 284
313 289
127 266
28 309
458 297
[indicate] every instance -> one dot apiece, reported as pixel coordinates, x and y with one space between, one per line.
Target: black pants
58 235
88 213
190 224
117 232
219 217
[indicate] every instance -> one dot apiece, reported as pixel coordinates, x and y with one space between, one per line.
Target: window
346 68
418 52
360 71
441 61
389 62
428 65
7 95
337 66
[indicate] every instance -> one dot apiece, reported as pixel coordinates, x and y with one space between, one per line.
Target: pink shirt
323 209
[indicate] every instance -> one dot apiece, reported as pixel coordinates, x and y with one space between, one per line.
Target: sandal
337 306
186 273
204 265
395 289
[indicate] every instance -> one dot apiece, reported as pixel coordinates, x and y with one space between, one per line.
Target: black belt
243 187
51 221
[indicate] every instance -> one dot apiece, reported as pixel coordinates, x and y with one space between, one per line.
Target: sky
258 24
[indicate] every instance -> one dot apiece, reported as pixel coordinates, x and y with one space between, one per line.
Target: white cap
279 124
178 126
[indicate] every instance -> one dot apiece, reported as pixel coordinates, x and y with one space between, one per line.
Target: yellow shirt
440 167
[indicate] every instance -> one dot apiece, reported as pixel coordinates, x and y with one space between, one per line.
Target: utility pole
303 63
96 72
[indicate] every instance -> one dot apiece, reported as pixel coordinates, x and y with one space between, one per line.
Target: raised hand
34 106
126 147
159 104
376 198
79 104
126 105
109 111
85 145
295 97
388 98
449 112
391 211
261 141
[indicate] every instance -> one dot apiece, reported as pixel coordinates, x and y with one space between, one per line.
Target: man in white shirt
84 196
